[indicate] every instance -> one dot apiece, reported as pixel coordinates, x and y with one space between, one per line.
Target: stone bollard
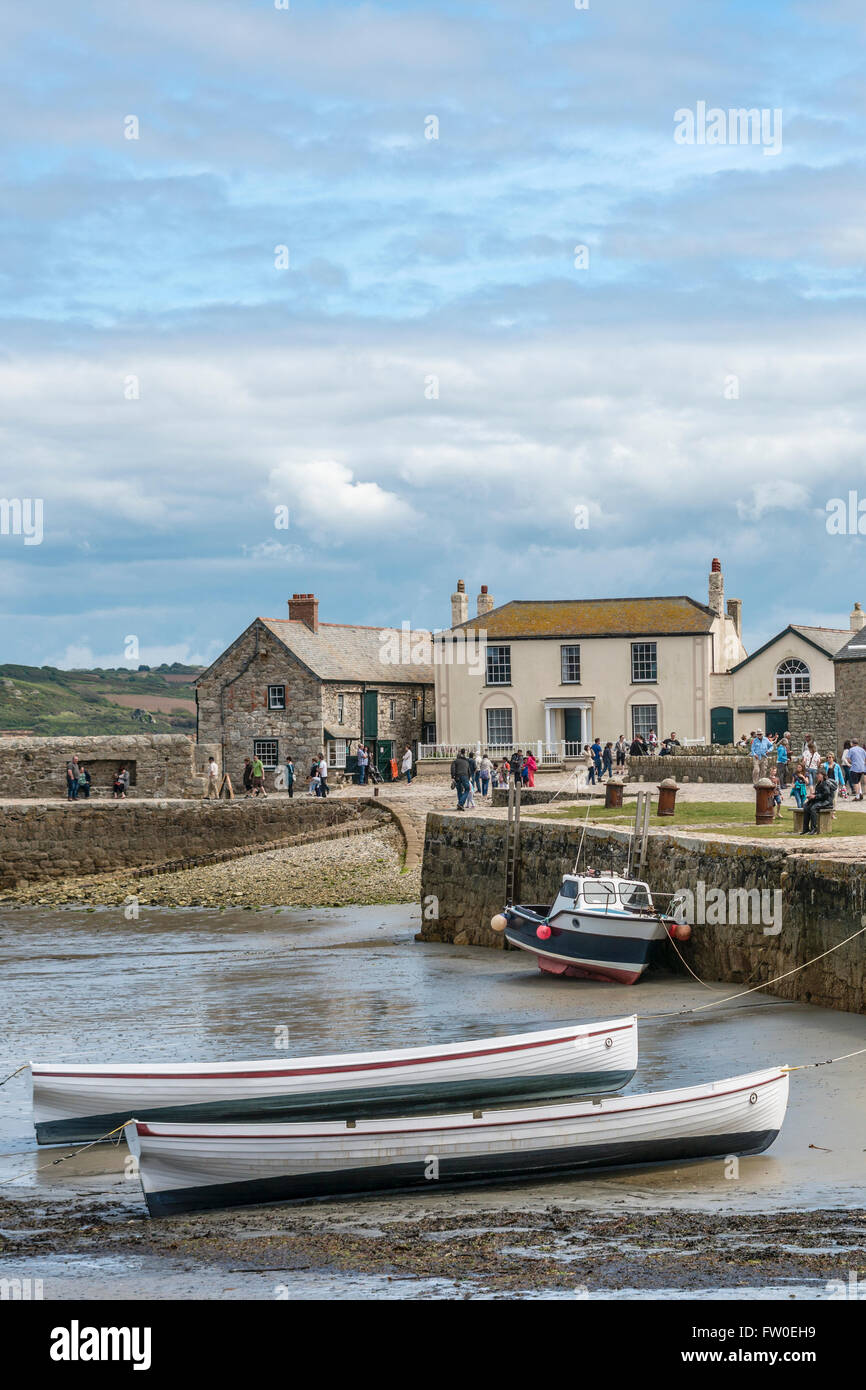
667 797
764 808
613 793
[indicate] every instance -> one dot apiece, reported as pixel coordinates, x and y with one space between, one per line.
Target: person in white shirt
406 766
812 762
212 775
322 769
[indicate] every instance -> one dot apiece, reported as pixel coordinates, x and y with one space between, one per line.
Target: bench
825 822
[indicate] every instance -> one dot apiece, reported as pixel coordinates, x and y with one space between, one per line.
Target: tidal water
220 985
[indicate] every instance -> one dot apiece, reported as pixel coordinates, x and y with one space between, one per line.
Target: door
384 754
776 721
573 724
721 724
371 715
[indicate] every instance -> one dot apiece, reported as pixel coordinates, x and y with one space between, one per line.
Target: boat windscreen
634 895
598 892
569 888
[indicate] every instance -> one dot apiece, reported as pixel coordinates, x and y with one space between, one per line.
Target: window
600 894
276 697
570 665
793 677
634 895
499 728
268 749
644 718
416 706
341 705
337 752
392 710
498 665
568 888
644 661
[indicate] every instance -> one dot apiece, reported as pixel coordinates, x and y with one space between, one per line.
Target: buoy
683 931
498 923
543 932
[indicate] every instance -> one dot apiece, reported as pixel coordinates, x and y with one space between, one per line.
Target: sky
360 299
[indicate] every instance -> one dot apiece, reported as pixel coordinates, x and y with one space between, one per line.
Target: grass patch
730 817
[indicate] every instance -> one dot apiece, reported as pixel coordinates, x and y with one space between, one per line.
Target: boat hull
611 950
192 1168
80 1104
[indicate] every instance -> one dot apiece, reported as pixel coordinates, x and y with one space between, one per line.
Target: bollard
613 793
667 797
764 808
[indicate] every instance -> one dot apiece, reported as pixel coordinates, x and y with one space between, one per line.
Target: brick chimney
735 613
717 589
304 608
857 619
485 601
459 605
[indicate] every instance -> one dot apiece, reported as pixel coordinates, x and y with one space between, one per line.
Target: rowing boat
193 1167
78 1103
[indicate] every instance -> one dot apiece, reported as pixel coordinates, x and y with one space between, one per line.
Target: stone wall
159 765
816 715
85 838
463 877
850 701
730 767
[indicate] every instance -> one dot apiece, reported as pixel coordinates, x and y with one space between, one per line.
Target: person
607 760
743 741
590 765
777 795
595 750
258 777
819 799
313 788
72 778
322 788
406 766
846 765
812 762
524 771
782 762
473 766
121 783
808 738
759 750
857 763
531 768
469 803
486 773
363 760
460 778
638 747
248 776
212 775
290 777
83 782
517 768
672 742
652 741
800 786
621 751
834 772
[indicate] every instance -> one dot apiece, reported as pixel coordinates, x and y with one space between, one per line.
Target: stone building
850 667
159 765
295 687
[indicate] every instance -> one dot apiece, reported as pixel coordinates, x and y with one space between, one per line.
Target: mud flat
205 985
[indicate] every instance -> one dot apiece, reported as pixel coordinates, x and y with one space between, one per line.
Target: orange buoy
498 923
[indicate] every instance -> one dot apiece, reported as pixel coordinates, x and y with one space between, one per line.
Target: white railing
544 752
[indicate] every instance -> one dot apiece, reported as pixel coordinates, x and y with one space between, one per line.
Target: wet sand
207 985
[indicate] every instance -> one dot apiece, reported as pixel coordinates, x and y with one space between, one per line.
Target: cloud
327 500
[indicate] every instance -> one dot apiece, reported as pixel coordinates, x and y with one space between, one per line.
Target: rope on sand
63 1157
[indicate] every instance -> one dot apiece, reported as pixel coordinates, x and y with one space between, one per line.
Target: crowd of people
79 781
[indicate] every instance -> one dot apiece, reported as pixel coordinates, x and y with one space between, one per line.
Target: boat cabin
607 893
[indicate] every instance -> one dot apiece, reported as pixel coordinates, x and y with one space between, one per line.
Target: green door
572 724
384 754
776 721
721 724
371 715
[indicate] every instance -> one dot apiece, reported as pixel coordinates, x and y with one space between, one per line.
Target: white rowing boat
193 1167
78 1103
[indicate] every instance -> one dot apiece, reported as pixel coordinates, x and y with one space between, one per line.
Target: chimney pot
459 605
304 608
857 619
484 602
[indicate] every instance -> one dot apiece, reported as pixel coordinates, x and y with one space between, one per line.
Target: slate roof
854 649
596 617
342 652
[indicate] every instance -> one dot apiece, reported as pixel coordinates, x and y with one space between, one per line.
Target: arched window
793 678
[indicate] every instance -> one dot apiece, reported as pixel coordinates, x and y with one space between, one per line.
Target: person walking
857 763
516 767
460 778
607 761
313 788
322 788
72 778
621 751
406 766
486 773
782 758
258 777
531 768
363 760
247 776
290 777
212 775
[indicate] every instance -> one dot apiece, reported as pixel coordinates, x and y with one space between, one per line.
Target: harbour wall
158 764
822 900
63 839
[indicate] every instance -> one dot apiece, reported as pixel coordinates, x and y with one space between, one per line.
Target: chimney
459 605
485 601
735 613
857 619
304 608
717 589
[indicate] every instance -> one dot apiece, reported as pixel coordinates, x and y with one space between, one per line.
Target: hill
45 700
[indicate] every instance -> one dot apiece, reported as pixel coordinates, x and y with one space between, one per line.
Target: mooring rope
26 1172
23 1067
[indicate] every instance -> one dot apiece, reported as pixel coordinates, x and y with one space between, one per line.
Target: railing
545 753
